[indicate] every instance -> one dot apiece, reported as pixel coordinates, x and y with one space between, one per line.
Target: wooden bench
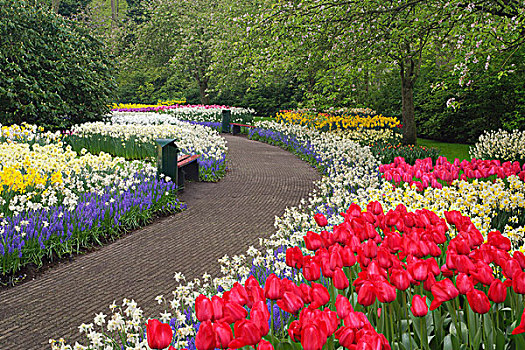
188 169
236 127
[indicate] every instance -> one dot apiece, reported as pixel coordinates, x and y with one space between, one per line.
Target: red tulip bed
380 281
424 174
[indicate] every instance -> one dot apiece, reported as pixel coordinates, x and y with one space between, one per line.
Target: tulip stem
407 318
497 316
423 334
390 316
454 315
272 316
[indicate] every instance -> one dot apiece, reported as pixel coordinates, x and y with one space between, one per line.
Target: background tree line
448 69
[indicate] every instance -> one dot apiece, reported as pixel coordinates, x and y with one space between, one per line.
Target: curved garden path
223 218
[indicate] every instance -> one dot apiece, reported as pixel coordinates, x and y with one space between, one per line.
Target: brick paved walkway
223 218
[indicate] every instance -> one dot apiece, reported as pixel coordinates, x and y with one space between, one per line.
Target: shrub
54 73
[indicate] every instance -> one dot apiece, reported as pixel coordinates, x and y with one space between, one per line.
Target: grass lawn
449 150
259 119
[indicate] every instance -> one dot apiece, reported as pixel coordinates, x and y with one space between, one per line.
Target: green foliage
266 100
54 73
493 99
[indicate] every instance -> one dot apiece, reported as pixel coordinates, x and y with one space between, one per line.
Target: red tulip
260 319
442 291
233 312
346 336
343 306
340 280
511 267
246 333
223 334
272 287
294 331
203 308
290 302
520 258
419 270
265 345
320 295
238 294
375 208
400 278
206 337
497 291
518 282
354 210
521 328
384 258
159 334
294 257
366 295
419 306
464 284
478 301
313 241
484 274
431 280
496 239
218 307
385 292
311 338
320 219
348 257
311 271
370 249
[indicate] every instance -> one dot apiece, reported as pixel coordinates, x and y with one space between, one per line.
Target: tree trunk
114 13
407 100
203 86
55 5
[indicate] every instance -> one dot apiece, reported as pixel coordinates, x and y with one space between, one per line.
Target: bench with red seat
236 127
188 168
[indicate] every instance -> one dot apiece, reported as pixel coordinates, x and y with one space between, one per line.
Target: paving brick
223 218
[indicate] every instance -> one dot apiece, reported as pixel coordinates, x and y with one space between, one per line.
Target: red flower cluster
393 251
407 254
217 314
423 174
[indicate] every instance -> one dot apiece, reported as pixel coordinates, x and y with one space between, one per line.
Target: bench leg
181 178
236 129
191 171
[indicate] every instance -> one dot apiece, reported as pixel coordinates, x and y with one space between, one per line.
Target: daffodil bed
368 276
353 119
55 201
132 136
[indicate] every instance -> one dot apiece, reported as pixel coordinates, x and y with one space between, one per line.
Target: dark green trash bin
167 155
226 117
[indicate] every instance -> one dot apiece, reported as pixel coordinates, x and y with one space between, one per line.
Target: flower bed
27 133
137 141
131 106
387 240
329 121
54 201
199 113
500 145
424 173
